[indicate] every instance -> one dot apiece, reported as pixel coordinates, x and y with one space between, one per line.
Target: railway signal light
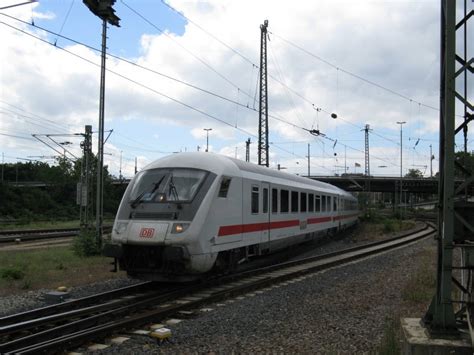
104 10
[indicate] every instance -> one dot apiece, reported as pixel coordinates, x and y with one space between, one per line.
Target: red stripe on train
256 227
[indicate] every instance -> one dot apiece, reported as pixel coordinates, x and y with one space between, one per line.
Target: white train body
188 213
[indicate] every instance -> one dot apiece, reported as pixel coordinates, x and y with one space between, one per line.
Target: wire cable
169 97
210 67
353 74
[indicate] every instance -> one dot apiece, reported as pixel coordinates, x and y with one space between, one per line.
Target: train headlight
120 227
179 228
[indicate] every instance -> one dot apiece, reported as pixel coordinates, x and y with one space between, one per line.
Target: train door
266 211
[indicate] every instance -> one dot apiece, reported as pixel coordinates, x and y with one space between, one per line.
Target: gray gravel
342 310
34 299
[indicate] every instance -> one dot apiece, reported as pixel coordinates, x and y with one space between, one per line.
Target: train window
225 184
323 203
328 201
265 200
310 203
294 201
334 204
284 201
254 199
166 185
318 203
274 201
303 201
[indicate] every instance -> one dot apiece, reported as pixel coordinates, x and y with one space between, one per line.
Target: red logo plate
147 232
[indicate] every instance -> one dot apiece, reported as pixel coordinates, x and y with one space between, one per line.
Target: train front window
166 185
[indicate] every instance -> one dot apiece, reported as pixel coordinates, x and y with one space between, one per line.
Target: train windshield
166 185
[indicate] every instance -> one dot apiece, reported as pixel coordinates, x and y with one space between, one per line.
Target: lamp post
401 162
207 138
120 170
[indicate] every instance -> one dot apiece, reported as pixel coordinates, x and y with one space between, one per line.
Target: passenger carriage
189 213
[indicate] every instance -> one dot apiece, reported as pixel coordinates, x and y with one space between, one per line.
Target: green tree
414 173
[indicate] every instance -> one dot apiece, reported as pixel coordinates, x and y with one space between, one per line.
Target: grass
390 344
421 286
50 268
416 296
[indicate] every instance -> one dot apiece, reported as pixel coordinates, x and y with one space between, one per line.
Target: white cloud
391 43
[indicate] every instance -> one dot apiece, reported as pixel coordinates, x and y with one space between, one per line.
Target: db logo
147 232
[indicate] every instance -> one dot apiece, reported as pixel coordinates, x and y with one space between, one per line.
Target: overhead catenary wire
16 136
359 77
273 116
65 19
286 86
247 133
205 63
31 115
229 100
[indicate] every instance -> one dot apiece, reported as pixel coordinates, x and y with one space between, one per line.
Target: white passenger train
189 213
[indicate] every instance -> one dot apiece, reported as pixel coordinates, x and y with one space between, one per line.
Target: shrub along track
59 327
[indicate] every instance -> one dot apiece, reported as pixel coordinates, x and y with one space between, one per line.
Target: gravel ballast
341 310
35 299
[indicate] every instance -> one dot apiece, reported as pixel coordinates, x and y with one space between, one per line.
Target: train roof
224 165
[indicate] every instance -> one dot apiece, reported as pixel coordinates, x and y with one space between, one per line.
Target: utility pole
247 150
207 138
367 155
367 159
431 161
120 169
263 103
103 9
345 159
401 163
309 156
3 164
136 165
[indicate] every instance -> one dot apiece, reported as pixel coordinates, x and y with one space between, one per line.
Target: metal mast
247 150
102 9
84 197
263 103
454 227
367 156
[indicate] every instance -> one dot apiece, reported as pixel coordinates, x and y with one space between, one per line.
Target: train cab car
189 213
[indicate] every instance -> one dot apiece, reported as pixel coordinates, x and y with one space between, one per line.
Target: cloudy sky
177 67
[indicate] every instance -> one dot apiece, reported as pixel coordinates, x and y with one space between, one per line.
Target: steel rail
36 234
73 304
140 312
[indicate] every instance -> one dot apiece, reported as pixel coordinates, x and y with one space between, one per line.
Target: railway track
12 236
72 323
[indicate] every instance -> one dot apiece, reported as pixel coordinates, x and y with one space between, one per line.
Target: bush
12 273
85 244
388 226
